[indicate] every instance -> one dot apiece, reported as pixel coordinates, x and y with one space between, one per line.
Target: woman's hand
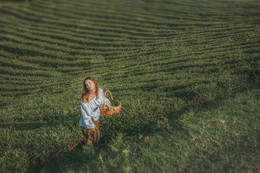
110 107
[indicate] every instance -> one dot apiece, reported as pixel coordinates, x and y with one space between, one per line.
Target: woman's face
90 85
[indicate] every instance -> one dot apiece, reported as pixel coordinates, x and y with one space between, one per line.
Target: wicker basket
104 111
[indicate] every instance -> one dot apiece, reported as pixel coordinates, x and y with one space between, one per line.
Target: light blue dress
91 110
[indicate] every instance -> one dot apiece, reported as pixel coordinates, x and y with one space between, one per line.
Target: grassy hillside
161 59
220 137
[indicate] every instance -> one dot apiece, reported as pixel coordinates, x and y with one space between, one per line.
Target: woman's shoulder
100 89
83 103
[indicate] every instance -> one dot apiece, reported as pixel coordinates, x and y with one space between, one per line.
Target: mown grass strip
169 64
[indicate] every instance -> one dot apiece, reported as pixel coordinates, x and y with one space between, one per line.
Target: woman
92 99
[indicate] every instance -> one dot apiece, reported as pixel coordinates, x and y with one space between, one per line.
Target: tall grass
218 137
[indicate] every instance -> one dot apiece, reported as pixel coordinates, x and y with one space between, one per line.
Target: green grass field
187 74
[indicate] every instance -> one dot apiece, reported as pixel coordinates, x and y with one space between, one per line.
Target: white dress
91 110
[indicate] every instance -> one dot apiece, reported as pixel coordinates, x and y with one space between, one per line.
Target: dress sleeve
99 101
86 112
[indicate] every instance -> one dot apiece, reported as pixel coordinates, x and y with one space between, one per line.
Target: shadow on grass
26 125
81 155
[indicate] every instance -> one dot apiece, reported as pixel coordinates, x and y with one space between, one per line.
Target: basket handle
105 96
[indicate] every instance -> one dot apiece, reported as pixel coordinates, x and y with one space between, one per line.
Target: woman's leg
91 135
87 136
